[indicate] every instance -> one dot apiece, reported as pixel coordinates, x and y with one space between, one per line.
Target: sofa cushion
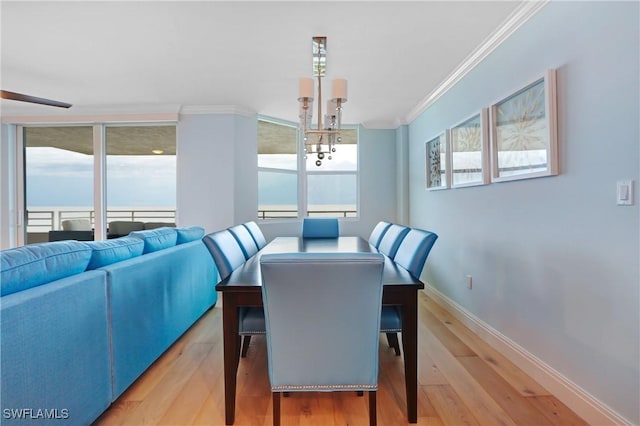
156 239
36 264
111 251
76 225
188 234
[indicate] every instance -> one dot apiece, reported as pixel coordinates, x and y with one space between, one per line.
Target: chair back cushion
414 249
124 227
155 225
225 250
76 225
322 313
245 240
391 239
378 233
256 233
320 228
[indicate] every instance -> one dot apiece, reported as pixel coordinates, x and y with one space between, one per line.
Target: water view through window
59 176
331 189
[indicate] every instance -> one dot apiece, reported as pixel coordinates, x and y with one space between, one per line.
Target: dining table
242 288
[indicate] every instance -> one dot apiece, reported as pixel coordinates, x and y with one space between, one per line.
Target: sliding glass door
141 177
79 179
58 165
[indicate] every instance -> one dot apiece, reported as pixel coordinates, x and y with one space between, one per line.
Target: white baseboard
573 396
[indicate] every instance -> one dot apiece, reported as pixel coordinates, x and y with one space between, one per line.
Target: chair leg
276 408
245 345
373 418
392 338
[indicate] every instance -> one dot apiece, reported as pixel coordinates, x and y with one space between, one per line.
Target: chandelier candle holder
321 140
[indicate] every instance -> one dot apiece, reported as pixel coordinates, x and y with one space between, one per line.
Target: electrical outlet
469 282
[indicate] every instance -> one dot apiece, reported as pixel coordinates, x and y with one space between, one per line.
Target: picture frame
437 162
469 142
524 134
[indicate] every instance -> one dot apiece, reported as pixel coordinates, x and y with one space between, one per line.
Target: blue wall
555 263
217 178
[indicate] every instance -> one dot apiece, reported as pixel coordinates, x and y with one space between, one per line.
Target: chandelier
321 141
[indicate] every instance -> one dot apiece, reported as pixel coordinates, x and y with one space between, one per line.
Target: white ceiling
159 55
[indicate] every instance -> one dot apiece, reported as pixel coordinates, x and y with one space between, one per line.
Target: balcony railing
51 220
293 213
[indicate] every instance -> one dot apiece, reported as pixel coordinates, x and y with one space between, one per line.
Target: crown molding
520 16
115 113
216 109
27 114
390 124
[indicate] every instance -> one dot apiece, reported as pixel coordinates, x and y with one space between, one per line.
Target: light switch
625 193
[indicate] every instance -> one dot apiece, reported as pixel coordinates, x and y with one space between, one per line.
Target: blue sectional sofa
81 321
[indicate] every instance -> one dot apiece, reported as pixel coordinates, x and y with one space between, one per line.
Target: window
332 188
58 178
141 173
277 170
290 185
63 187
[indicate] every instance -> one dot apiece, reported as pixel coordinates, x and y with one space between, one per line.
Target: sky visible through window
281 188
57 177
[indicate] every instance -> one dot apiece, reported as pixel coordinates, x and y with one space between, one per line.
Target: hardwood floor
462 381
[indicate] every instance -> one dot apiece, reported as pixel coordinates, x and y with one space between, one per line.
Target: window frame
303 173
99 168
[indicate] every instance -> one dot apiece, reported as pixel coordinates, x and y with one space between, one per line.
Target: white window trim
99 171
303 173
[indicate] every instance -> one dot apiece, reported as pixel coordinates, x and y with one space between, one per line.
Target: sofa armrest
55 349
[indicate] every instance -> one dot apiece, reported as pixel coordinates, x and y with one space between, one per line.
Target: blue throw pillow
36 264
156 239
111 251
191 233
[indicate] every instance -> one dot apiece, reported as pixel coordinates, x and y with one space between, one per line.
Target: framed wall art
436 164
470 151
524 132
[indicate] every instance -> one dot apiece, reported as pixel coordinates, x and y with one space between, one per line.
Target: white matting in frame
524 141
470 151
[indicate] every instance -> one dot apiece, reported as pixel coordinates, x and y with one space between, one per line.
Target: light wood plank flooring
462 381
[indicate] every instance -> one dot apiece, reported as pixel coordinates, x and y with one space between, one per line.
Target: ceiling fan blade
4 94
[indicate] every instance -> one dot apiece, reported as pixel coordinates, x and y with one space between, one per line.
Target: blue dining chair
378 232
411 255
228 255
314 298
414 249
245 240
392 238
225 250
320 228
256 233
